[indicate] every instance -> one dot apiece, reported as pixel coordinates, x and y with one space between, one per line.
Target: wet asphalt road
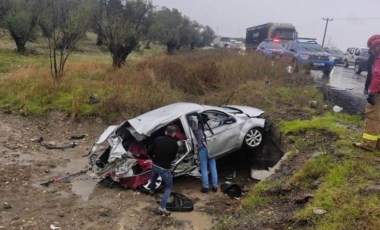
343 88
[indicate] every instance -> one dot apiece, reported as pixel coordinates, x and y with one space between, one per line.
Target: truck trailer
257 34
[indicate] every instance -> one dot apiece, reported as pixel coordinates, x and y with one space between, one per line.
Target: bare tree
63 23
20 17
121 25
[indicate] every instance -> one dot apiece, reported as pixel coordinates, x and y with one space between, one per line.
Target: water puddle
262 174
194 220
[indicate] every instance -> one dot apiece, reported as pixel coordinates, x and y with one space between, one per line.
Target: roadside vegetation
325 183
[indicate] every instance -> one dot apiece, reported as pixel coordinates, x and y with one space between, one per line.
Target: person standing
370 140
205 161
162 152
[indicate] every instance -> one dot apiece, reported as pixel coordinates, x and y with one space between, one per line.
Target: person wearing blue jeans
205 161
166 176
211 163
163 152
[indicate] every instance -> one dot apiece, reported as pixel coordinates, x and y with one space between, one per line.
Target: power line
327 23
368 18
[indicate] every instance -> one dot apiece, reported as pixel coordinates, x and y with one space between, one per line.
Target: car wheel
357 68
345 63
145 187
254 138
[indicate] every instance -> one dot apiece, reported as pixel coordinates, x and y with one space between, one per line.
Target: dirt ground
80 202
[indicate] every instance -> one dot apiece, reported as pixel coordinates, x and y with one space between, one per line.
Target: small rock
325 106
337 109
313 104
47 170
61 214
6 205
103 212
53 190
317 154
304 199
373 189
315 184
318 211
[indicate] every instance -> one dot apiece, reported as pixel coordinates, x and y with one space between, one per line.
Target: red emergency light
276 40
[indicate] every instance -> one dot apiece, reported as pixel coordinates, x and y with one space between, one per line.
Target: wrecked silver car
120 152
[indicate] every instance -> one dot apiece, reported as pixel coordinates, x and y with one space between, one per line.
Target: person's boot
378 145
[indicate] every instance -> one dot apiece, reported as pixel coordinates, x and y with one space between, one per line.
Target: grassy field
151 79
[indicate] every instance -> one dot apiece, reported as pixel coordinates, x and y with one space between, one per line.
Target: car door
351 59
221 131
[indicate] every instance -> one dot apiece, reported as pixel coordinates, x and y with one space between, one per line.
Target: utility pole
327 23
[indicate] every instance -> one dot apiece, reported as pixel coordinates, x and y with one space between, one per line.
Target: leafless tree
63 23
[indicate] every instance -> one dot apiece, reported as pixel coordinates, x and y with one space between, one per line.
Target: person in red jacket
371 134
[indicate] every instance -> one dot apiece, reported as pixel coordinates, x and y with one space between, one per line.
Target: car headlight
305 56
332 58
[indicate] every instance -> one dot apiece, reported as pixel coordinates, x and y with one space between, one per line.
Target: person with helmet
371 133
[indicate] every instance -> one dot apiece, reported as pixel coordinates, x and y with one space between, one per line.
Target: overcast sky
231 17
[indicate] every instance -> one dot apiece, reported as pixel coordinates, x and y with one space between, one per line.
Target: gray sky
232 17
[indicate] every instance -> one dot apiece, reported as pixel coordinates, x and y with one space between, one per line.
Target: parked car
306 53
361 63
271 48
351 55
337 54
120 153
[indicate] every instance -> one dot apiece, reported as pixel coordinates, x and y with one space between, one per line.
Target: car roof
148 121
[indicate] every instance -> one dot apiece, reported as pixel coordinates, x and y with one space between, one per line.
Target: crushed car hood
251 112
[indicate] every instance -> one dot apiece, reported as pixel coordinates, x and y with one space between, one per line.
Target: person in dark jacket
162 152
370 62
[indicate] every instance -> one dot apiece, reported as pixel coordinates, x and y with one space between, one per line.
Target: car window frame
222 122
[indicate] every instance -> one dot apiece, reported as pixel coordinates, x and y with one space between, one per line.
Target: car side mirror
229 120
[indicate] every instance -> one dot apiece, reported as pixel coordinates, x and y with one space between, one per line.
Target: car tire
254 138
345 63
357 69
145 187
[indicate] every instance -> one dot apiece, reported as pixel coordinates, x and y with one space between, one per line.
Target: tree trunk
119 54
147 45
170 48
20 43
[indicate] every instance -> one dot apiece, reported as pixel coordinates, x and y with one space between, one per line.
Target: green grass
341 170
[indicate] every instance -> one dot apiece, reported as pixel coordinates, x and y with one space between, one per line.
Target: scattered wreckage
120 152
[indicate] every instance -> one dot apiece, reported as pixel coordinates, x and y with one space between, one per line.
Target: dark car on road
338 55
271 48
361 62
306 53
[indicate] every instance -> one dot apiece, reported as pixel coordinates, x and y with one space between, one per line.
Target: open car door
222 132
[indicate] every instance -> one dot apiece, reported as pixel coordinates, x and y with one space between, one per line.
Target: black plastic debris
77 137
51 146
179 203
232 190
